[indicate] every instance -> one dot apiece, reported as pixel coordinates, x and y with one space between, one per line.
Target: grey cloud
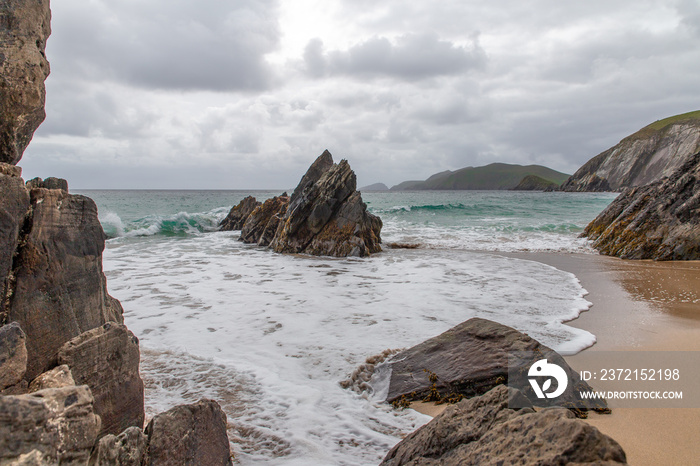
166 44
413 57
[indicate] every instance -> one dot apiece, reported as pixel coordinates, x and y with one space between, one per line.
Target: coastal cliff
654 152
658 221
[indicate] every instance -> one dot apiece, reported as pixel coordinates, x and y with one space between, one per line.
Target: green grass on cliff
660 125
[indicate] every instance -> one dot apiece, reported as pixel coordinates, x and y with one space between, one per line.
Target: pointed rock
238 214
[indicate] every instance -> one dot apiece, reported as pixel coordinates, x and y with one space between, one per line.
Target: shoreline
636 306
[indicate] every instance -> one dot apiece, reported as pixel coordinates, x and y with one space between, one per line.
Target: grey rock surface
107 360
55 426
659 221
485 431
192 434
24 27
13 355
125 449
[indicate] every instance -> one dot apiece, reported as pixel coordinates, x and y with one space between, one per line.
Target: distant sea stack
654 152
496 176
325 216
659 221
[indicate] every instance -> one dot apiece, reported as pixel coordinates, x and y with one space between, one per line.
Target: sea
271 336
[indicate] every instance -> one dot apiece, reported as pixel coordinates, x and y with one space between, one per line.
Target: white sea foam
285 330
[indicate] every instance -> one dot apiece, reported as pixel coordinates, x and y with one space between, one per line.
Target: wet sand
637 306
640 306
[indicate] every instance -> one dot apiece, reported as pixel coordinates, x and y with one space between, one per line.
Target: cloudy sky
240 94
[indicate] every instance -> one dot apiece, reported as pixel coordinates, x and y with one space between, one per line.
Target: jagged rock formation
536 183
238 214
260 226
652 153
52 426
472 358
658 221
24 27
485 430
325 216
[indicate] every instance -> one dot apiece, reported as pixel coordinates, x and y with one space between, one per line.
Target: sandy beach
637 306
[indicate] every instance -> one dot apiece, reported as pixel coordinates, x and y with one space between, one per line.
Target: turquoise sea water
270 336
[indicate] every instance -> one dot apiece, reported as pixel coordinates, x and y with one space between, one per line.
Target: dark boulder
107 360
473 357
326 215
192 434
261 224
24 27
238 214
485 430
59 288
659 221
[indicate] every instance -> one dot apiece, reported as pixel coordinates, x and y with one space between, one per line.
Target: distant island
495 176
375 187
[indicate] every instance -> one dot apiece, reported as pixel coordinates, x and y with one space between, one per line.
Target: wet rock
125 449
13 355
261 224
192 434
658 221
484 430
54 426
58 377
48 183
59 288
238 214
326 215
470 359
24 27
107 360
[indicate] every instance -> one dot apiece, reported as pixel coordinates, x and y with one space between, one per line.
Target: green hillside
496 176
660 125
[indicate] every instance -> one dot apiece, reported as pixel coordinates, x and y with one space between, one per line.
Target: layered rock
125 449
59 289
53 426
107 360
484 430
260 226
24 27
658 221
238 214
652 153
58 377
13 355
189 435
473 357
326 215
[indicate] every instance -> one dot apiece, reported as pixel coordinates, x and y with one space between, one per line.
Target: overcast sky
240 94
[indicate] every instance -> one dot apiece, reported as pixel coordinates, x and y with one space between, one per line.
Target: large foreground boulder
326 215
59 288
107 360
472 358
658 221
189 435
484 430
53 426
24 27
238 214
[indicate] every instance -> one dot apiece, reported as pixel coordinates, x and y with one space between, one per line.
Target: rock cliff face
649 155
325 216
24 27
658 221
238 214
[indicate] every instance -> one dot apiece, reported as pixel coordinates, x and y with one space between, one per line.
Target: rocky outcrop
326 215
107 360
49 183
53 426
13 355
652 153
125 449
485 430
536 183
58 377
59 288
470 359
189 435
238 214
658 221
260 226
24 27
